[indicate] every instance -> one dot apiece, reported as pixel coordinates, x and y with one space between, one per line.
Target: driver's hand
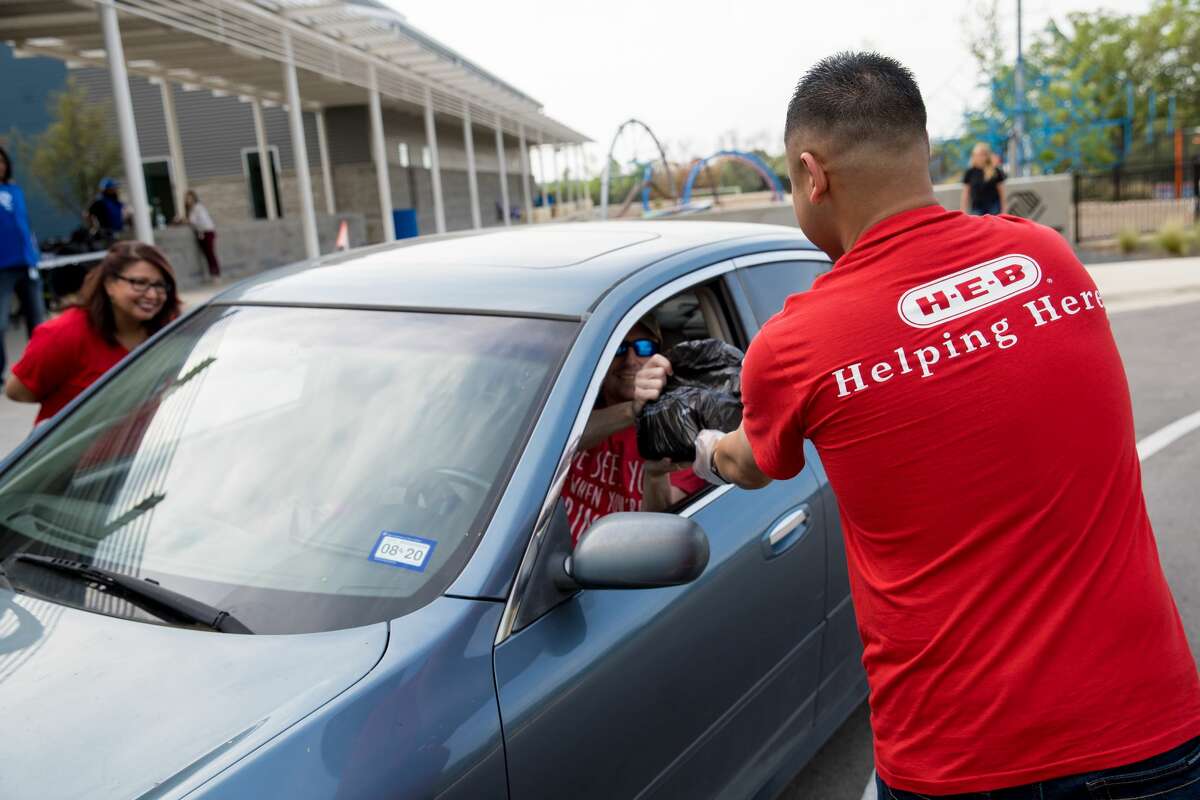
650 381
663 466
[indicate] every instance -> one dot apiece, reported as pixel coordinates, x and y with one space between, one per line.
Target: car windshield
300 469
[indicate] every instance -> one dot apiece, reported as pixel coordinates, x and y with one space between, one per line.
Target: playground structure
664 185
1064 128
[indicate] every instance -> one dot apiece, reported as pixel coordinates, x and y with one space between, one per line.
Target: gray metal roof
544 270
235 47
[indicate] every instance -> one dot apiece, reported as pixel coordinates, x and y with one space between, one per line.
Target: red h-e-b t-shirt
64 356
607 478
960 381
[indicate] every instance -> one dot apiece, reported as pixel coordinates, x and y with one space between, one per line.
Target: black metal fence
1136 197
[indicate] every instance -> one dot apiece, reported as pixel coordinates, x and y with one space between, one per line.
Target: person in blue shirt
107 212
18 257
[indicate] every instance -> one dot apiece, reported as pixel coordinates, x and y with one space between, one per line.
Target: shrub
1172 238
1128 239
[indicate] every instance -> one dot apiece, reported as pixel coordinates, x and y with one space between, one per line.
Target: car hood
97 706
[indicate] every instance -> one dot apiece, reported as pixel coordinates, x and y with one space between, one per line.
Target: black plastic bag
704 391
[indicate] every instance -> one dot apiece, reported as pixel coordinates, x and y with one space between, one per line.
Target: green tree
1076 79
75 151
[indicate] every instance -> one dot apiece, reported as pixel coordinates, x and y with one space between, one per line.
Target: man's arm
732 458
1003 197
604 422
15 390
735 462
965 203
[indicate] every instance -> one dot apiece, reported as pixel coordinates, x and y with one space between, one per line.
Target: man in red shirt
960 381
607 474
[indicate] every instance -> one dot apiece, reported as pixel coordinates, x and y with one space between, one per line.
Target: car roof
540 270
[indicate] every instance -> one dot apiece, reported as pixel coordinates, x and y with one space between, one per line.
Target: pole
308 214
541 148
525 173
581 160
379 151
179 181
326 173
557 183
500 155
1127 144
1019 86
435 171
266 166
472 177
131 154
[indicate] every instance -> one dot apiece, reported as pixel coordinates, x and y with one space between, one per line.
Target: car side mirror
638 550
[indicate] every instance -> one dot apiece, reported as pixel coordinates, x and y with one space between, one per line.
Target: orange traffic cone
343 237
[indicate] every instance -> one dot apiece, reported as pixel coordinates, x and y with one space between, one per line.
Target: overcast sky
704 74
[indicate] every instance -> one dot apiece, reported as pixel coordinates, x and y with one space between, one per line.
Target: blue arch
757 163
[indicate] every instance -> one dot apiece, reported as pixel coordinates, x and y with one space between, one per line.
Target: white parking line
1165 436
1145 448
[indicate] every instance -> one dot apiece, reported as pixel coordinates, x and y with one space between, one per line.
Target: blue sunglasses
644 348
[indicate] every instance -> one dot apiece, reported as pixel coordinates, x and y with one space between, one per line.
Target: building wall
27 86
217 131
214 131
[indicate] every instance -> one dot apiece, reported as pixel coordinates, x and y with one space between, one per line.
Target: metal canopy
236 47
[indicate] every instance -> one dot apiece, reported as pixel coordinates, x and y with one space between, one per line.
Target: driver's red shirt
608 478
960 381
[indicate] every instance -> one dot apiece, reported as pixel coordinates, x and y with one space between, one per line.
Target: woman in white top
206 232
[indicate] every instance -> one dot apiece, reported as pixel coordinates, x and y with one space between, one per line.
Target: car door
690 691
765 281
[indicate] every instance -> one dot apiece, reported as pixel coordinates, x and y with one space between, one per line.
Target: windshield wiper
143 592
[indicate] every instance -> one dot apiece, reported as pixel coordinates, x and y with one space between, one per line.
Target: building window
402 153
254 183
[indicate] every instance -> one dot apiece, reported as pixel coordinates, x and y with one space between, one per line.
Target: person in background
607 474
107 212
983 183
125 300
18 257
206 232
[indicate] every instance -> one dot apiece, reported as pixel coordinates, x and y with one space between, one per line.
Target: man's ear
820 180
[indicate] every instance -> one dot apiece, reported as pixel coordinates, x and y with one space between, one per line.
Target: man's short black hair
858 98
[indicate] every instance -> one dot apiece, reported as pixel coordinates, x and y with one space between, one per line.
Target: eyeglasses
141 285
644 348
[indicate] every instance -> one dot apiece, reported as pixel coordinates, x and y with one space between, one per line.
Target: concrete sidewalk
1130 285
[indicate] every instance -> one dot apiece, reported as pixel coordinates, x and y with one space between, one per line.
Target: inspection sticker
402 550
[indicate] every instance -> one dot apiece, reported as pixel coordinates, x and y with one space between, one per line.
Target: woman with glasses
128 297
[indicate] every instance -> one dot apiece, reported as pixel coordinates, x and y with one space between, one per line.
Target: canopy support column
524 146
500 156
308 214
326 171
131 154
179 181
472 178
266 164
435 170
379 152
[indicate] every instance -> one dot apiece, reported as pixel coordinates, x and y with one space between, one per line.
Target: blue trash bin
405 220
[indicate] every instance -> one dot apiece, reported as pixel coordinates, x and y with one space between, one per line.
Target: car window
767 286
303 469
608 473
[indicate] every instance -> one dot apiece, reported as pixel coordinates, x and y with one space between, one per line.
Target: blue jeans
32 304
1173 775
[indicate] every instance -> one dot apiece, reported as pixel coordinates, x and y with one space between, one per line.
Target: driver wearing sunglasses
608 474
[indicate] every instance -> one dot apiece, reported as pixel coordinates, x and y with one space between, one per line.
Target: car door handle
790 521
